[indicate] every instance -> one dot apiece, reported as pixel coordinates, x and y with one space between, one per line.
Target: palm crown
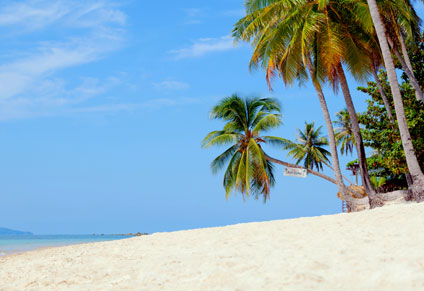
310 148
248 170
344 133
285 33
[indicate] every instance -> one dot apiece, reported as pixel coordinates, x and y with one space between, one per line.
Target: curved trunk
411 159
346 178
286 164
418 91
406 68
318 174
405 53
382 94
331 138
408 61
362 161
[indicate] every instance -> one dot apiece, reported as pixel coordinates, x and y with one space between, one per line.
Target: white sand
381 249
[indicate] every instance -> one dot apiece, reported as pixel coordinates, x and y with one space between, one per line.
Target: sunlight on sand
377 249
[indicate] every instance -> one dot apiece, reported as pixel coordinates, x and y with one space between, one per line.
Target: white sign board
295 172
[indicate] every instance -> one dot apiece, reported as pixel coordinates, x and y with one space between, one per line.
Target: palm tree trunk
331 138
382 94
346 178
418 91
318 174
409 179
411 159
373 199
406 68
405 53
408 61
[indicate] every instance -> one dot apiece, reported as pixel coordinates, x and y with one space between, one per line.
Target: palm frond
266 123
278 141
248 170
219 162
217 138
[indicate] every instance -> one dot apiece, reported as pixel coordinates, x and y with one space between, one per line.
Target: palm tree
344 133
411 158
382 93
375 62
378 181
291 36
309 149
249 169
256 27
399 19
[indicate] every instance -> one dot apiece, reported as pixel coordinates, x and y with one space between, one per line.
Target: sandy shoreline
382 249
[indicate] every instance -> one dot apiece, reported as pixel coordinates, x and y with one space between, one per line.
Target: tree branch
318 174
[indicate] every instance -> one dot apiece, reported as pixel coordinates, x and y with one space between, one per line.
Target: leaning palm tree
249 169
344 133
375 62
309 149
258 26
417 187
292 36
399 19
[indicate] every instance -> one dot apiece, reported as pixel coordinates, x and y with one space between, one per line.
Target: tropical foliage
324 38
382 136
298 40
377 182
385 39
309 148
344 133
248 170
416 52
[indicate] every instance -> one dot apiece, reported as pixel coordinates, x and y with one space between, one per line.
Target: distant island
7 231
126 234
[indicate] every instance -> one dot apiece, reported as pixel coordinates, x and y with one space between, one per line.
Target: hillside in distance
7 231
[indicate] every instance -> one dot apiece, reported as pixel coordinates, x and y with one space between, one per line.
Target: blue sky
103 106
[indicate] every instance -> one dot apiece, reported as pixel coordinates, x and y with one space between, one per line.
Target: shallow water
10 244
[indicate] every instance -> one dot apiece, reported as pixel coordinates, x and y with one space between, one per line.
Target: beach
380 249
13 244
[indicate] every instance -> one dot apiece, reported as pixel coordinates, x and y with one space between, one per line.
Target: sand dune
381 249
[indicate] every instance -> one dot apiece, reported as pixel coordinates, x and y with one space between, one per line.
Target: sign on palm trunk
295 172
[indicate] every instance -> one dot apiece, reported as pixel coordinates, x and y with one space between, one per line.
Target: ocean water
10 244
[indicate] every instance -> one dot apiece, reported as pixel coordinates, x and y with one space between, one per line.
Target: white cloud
158 103
204 46
107 108
193 12
193 15
89 30
20 75
171 85
37 14
32 85
53 97
32 14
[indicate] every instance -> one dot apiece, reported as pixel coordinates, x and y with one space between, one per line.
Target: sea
12 244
